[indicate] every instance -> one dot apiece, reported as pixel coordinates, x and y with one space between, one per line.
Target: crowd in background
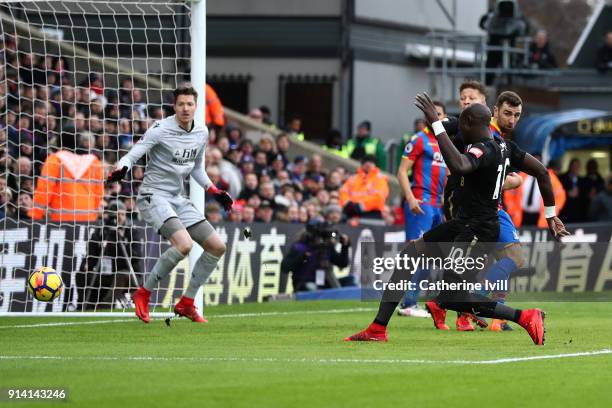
43 109
46 109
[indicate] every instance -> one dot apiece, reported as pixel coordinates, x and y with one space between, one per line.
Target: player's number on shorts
501 176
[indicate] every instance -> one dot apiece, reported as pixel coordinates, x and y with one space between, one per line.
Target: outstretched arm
457 163
535 168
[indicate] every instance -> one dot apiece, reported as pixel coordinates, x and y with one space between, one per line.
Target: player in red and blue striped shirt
424 192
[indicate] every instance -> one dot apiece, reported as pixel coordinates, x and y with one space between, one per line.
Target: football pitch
292 355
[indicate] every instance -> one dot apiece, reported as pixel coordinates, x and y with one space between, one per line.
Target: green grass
287 360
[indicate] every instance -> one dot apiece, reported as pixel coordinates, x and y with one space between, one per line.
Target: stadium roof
552 134
584 53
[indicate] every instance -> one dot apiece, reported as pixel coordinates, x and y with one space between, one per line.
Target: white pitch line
24 326
219 316
307 360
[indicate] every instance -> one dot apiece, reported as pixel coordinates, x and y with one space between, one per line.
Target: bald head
474 122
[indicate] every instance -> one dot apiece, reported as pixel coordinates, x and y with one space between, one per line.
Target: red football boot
532 320
374 332
141 303
186 308
438 315
480 321
463 323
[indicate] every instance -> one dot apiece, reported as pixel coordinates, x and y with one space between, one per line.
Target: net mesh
80 83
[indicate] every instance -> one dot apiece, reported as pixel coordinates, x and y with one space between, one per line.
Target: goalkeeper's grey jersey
173 154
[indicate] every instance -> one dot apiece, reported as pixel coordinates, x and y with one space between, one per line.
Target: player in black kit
482 168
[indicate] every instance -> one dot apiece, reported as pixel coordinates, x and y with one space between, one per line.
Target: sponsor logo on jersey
184 156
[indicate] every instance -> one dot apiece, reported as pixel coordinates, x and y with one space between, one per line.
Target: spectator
333 214
281 213
266 115
246 146
256 115
5 200
592 183
364 144
298 170
313 183
333 142
22 170
71 185
214 112
223 144
234 135
250 186
333 181
277 166
364 194
604 54
600 209
261 163
574 206
540 56
294 127
294 214
24 206
230 173
265 212
266 145
247 164
282 146
315 165
234 156
303 215
248 214
212 212
267 192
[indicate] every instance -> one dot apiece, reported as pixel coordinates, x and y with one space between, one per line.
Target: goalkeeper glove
221 196
116 175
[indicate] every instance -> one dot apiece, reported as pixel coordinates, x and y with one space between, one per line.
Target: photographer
312 256
113 254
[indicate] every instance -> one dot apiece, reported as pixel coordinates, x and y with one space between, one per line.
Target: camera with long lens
321 235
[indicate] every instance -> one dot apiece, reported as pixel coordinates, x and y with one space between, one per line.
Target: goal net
80 83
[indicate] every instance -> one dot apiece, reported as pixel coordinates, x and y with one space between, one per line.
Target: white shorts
157 209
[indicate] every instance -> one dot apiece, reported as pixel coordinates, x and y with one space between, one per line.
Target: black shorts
462 238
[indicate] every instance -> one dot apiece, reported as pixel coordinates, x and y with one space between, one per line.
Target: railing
453 55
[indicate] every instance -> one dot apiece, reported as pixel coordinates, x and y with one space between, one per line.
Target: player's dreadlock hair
473 84
509 97
186 89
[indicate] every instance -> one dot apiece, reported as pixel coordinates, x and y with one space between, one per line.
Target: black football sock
479 305
391 298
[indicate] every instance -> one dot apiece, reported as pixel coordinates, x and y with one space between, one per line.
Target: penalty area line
309 360
213 316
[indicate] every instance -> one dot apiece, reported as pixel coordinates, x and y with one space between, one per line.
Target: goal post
97 73
198 80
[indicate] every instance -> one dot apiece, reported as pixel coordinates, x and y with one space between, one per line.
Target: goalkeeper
176 147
